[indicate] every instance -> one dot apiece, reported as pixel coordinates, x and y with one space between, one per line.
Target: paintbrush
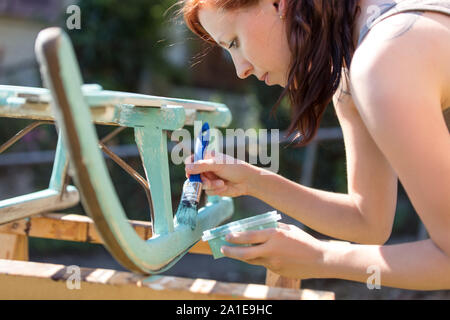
192 187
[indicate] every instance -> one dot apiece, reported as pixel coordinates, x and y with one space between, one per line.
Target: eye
233 44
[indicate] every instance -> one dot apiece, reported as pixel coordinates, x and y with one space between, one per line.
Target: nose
243 67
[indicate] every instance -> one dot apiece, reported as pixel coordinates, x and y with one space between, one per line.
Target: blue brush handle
201 143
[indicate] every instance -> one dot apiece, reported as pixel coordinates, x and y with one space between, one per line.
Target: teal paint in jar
216 236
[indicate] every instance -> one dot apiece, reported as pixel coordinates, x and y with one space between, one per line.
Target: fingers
251 237
218 192
284 226
210 176
258 253
207 155
189 159
219 158
243 253
211 184
201 166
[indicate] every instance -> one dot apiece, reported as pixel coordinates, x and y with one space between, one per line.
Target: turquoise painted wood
108 107
60 166
152 145
165 118
37 202
96 96
45 200
75 117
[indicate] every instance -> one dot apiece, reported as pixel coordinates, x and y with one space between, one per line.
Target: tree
119 40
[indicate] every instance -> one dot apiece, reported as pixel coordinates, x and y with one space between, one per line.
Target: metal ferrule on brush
192 191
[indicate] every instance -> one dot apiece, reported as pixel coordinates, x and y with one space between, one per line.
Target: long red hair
320 37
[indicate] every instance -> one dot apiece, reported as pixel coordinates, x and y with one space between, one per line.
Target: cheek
263 46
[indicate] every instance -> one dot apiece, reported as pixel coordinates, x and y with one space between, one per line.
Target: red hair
320 37
190 10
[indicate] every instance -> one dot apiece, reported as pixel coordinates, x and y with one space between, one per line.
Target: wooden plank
275 280
13 246
31 280
95 96
79 228
33 103
74 227
37 202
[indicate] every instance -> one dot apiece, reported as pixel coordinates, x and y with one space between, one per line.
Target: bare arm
398 87
333 214
365 214
416 266
291 252
399 98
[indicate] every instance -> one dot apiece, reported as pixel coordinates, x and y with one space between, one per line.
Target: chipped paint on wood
71 108
74 227
37 202
31 280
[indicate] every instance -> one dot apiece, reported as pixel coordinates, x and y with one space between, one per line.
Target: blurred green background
140 46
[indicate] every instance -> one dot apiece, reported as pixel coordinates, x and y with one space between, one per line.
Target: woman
391 91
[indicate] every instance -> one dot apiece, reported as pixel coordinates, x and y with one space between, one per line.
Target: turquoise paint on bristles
192 187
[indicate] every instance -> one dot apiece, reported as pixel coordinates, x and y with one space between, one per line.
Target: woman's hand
221 174
286 250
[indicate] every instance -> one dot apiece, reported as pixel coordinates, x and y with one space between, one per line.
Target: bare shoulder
398 83
416 26
413 44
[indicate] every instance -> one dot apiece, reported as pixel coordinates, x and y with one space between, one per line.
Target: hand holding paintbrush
223 175
192 188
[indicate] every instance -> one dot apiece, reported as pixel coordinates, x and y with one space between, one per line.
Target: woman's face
255 37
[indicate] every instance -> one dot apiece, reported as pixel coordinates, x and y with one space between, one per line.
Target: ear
280 6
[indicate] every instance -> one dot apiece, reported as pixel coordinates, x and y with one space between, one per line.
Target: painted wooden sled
76 108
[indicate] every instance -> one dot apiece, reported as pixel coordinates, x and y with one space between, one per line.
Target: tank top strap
390 9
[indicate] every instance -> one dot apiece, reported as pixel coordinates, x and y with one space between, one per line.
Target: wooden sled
143 248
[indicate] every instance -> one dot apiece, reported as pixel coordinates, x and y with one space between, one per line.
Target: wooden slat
37 202
95 96
13 246
78 228
31 280
275 280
